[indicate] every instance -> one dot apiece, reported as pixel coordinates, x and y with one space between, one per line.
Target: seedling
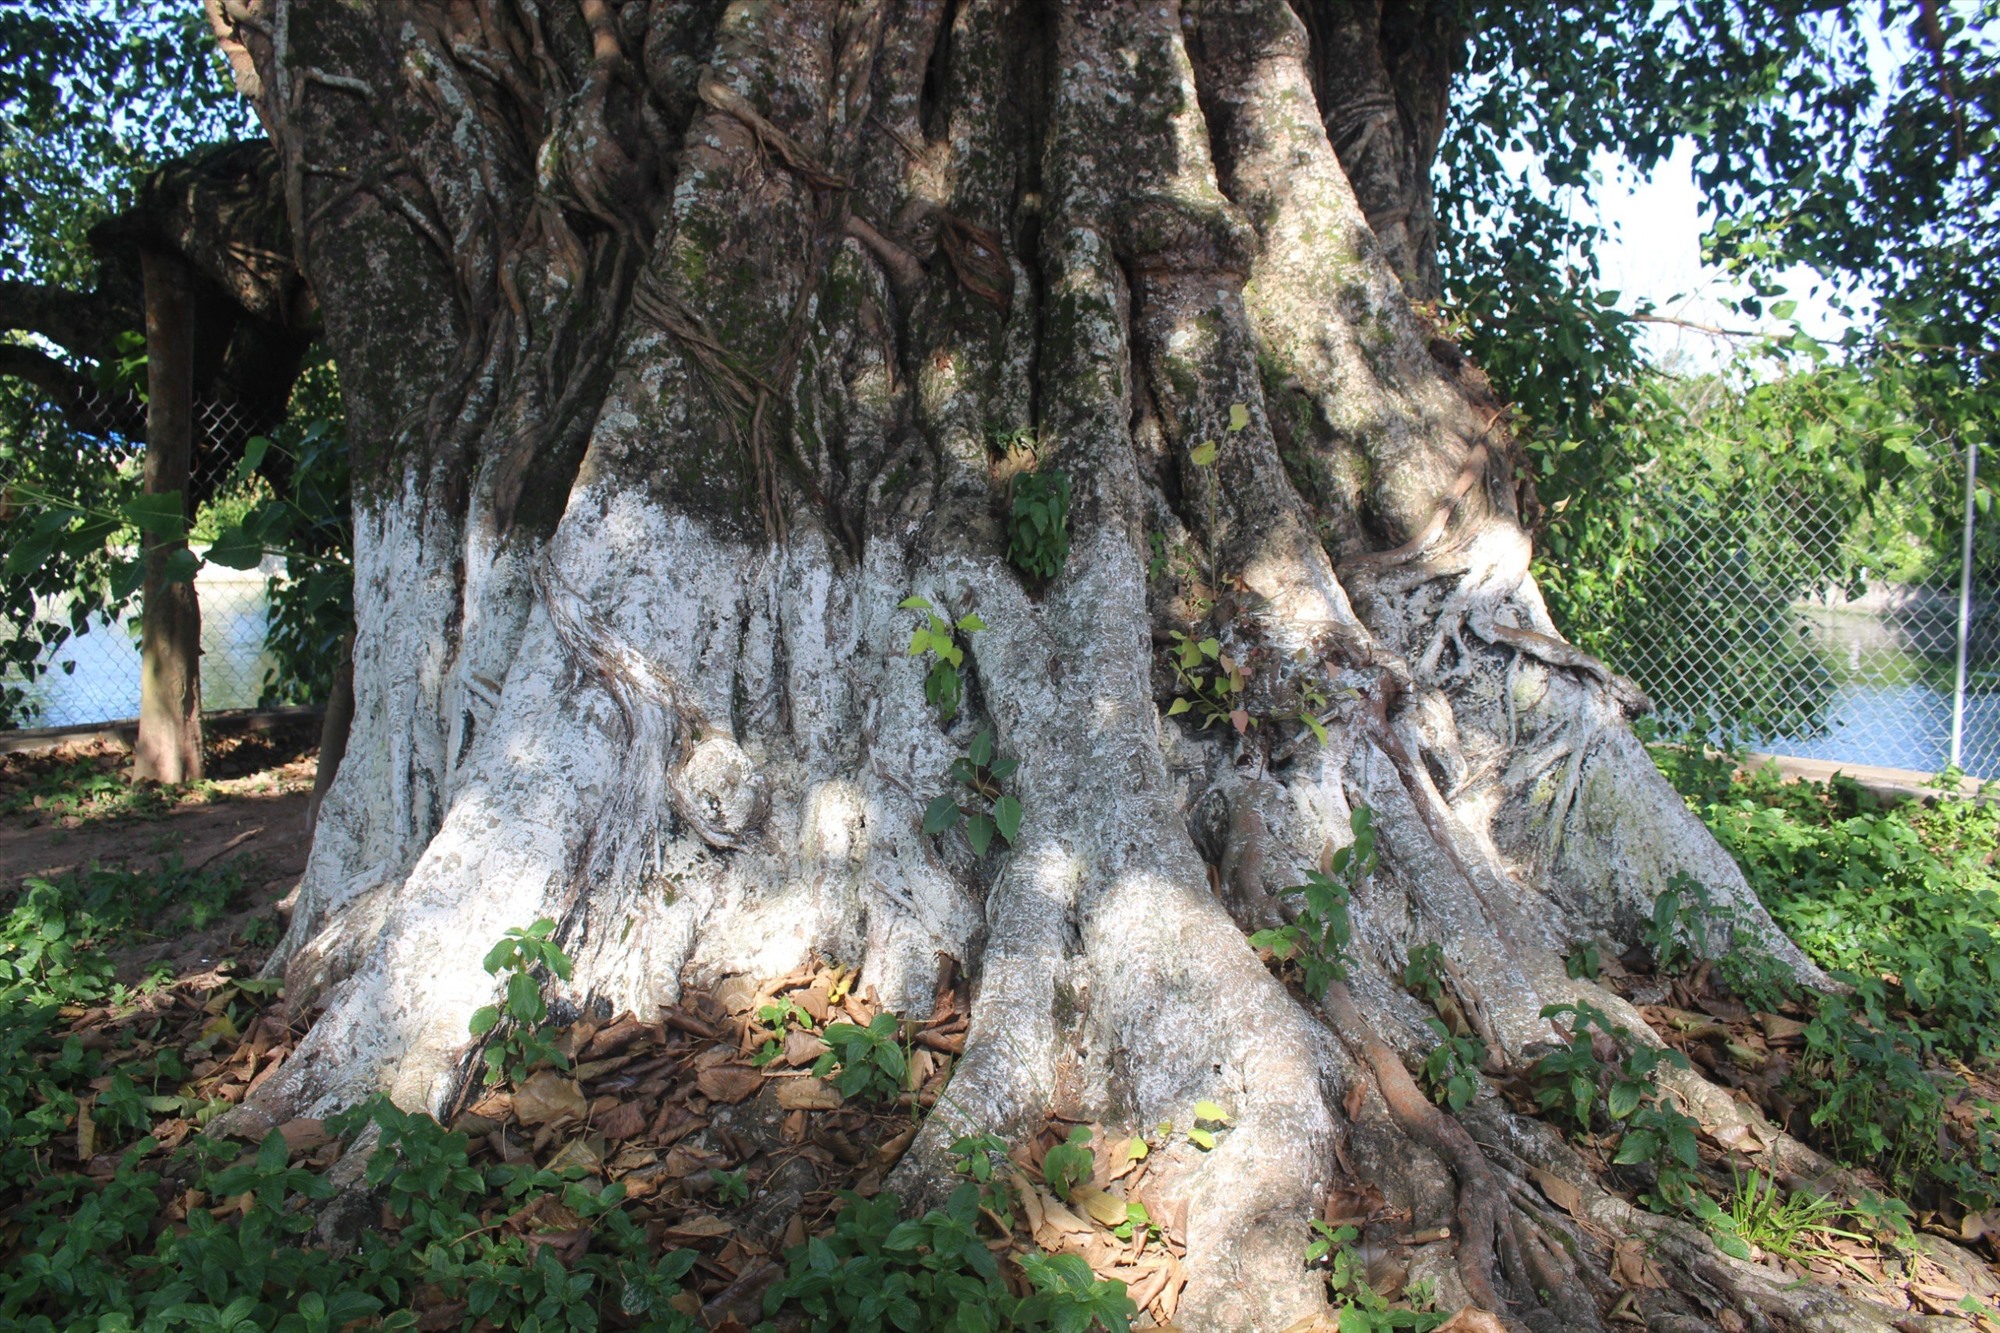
978 800
526 1042
1069 1163
1211 683
1423 975
1451 1069
1208 1119
1038 528
1362 1309
938 637
1582 962
865 1062
1318 939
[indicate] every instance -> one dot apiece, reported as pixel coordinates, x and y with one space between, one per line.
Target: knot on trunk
720 792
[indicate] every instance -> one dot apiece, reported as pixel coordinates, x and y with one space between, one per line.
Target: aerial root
1485 1231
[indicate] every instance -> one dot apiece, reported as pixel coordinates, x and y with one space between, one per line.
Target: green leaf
1239 416
236 549
1007 817
158 514
1202 454
1211 1113
941 815
981 752
1179 706
1201 1138
180 566
971 623
484 1020
913 603
979 832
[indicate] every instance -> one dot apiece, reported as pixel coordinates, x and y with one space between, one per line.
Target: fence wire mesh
1785 623
93 676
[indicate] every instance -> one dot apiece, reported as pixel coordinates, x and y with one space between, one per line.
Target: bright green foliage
1038 526
527 1041
938 637
979 802
1319 937
103 1256
1069 1163
1907 891
866 1062
1209 681
1361 1308
781 1016
880 1271
1792 1226
1681 540
1451 1070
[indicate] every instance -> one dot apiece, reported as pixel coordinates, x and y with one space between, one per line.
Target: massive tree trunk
682 342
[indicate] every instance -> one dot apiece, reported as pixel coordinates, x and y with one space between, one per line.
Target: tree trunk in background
682 342
168 748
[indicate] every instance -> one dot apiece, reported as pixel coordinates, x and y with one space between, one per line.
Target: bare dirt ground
75 807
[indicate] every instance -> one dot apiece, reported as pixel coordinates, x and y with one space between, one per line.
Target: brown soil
75 807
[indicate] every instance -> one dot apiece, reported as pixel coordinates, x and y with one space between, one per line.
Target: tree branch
73 395
80 323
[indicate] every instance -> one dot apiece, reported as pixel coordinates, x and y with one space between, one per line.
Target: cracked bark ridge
683 341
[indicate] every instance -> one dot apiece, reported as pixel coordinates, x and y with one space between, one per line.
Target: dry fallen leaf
1472 1319
1107 1209
623 1121
1631 1267
1561 1193
728 1083
304 1134
807 1094
548 1096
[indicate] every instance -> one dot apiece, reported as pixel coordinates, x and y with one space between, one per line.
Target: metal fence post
1964 606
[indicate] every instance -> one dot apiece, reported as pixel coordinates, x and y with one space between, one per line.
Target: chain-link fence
94 676
1794 624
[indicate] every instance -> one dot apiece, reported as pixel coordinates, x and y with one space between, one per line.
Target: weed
1209 1119
1791 1226
865 1062
1361 1308
1451 1070
781 1016
526 1042
980 803
1423 975
944 688
1603 1070
975 1156
1069 1163
1583 962
879 1270
1319 937
1038 525
731 1187
1671 935
1211 683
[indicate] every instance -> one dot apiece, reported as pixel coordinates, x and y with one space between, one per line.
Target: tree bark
683 342
168 748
